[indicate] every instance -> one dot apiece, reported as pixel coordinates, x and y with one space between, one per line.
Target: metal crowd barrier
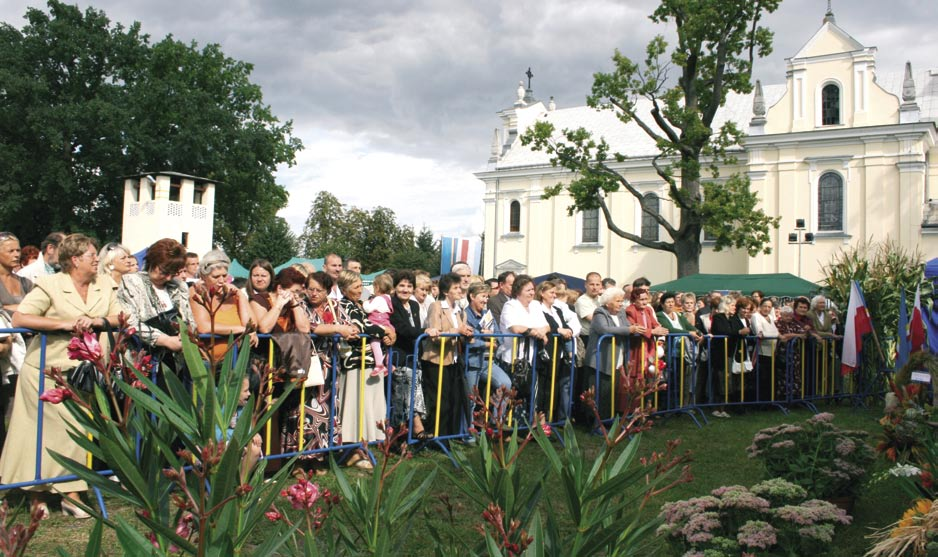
809 373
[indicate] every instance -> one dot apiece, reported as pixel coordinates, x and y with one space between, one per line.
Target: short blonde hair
423 281
108 254
346 279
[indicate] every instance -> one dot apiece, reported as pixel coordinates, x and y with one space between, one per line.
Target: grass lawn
719 458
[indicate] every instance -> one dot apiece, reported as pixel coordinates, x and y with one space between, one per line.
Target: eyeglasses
315 290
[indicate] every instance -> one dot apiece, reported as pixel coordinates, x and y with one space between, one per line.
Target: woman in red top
643 343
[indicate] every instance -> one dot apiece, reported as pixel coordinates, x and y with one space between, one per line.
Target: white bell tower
168 205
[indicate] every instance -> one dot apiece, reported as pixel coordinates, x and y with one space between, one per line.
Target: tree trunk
687 252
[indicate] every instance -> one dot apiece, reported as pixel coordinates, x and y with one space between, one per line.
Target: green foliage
178 465
378 511
883 269
717 43
272 240
816 455
604 495
85 102
375 238
774 517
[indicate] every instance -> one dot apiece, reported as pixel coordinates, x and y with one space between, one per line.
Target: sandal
423 436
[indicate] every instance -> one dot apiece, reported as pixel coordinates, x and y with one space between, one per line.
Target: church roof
630 140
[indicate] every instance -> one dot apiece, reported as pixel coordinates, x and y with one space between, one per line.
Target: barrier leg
612 381
553 382
439 390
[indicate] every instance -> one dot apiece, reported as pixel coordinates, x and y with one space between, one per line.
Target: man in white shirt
48 261
332 266
588 302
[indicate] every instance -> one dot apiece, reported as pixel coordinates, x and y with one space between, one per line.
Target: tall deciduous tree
272 240
717 42
375 237
84 102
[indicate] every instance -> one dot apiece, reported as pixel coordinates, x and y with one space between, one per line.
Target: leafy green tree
272 240
375 237
84 102
717 42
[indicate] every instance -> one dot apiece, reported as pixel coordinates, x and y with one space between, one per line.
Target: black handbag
521 371
85 375
165 322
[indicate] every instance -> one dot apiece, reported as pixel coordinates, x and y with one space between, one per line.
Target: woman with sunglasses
115 261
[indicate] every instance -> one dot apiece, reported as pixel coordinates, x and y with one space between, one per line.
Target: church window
651 203
514 217
589 230
830 202
830 105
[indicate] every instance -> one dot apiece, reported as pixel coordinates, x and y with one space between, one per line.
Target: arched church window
590 227
830 193
514 217
830 105
651 203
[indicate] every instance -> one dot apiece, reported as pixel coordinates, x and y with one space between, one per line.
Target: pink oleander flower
85 347
56 396
302 495
273 515
184 528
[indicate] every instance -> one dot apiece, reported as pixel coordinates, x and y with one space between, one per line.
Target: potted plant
828 462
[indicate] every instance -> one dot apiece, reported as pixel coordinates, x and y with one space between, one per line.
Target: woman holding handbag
445 317
75 299
154 300
363 403
608 319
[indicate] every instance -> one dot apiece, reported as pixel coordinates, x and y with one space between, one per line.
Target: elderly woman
115 261
608 319
445 317
521 315
324 321
408 324
13 288
217 297
76 298
482 322
546 295
677 323
763 326
823 317
792 334
154 300
260 278
362 393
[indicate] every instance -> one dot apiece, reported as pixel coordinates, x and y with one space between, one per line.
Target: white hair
610 294
108 254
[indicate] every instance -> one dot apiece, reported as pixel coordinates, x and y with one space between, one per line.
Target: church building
841 152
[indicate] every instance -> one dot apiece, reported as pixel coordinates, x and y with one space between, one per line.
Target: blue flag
903 345
931 325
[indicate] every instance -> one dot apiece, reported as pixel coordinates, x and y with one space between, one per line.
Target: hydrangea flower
758 534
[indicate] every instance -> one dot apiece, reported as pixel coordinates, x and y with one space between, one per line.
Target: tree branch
607 214
639 197
672 184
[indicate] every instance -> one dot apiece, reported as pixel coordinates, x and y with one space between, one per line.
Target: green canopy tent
237 270
294 260
776 284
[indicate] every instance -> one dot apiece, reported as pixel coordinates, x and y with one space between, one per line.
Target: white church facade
848 150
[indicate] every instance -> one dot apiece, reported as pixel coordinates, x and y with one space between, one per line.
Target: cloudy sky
395 100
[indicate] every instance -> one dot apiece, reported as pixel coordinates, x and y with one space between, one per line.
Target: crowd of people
439 342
